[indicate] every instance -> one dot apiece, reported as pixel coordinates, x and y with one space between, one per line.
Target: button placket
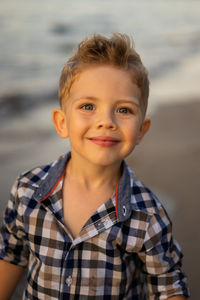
68 272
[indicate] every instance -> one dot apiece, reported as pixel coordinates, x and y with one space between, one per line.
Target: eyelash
128 110
91 107
85 106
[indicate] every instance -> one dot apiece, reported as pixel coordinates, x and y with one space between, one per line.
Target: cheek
132 131
77 125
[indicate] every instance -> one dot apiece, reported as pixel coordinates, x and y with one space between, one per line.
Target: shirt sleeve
162 258
13 244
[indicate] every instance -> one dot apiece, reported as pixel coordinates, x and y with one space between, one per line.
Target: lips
104 141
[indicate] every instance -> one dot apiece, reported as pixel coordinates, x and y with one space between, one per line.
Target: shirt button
124 210
106 223
68 280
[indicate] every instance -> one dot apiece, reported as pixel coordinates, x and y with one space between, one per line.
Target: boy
85 226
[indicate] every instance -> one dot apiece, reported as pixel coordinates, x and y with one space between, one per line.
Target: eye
88 107
124 110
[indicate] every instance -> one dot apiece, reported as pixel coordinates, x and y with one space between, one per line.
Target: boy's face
102 116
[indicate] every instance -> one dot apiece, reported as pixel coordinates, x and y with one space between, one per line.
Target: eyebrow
129 101
86 98
119 100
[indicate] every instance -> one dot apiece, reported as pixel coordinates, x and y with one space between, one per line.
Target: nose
107 120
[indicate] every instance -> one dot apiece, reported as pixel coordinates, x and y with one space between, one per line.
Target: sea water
36 38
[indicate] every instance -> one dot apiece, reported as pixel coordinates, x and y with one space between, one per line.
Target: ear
143 129
59 121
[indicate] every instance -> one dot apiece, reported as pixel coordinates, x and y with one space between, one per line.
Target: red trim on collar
116 188
63 174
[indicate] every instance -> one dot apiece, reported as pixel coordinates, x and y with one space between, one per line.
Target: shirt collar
54 175
126 200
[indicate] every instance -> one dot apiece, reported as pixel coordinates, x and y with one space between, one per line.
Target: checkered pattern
124 251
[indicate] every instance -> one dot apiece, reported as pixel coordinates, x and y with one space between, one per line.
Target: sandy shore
168 161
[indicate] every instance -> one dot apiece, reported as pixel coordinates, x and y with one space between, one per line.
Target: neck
92 177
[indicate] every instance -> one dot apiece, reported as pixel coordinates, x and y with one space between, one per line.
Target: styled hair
117 51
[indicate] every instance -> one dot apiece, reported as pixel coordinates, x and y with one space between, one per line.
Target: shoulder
39 178
146 207
142 198
35 176
134 196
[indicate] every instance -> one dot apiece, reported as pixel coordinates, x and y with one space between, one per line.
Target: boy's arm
162 258
10 275
14 251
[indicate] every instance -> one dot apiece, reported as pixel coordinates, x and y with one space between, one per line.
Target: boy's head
117 51
103 94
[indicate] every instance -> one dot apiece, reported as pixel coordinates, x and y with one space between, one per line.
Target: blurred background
37 37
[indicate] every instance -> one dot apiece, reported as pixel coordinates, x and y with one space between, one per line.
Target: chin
106 161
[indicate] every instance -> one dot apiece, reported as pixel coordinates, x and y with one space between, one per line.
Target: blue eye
124 110
88 107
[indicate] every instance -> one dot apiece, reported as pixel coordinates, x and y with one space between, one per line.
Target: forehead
105 81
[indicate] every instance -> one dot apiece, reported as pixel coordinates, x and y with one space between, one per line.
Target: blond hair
117 51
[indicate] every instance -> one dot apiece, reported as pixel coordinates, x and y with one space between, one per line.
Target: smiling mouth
104 141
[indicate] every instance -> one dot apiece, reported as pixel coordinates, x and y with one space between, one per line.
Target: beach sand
168 161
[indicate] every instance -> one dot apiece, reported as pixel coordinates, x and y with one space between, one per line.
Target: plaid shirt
124 251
